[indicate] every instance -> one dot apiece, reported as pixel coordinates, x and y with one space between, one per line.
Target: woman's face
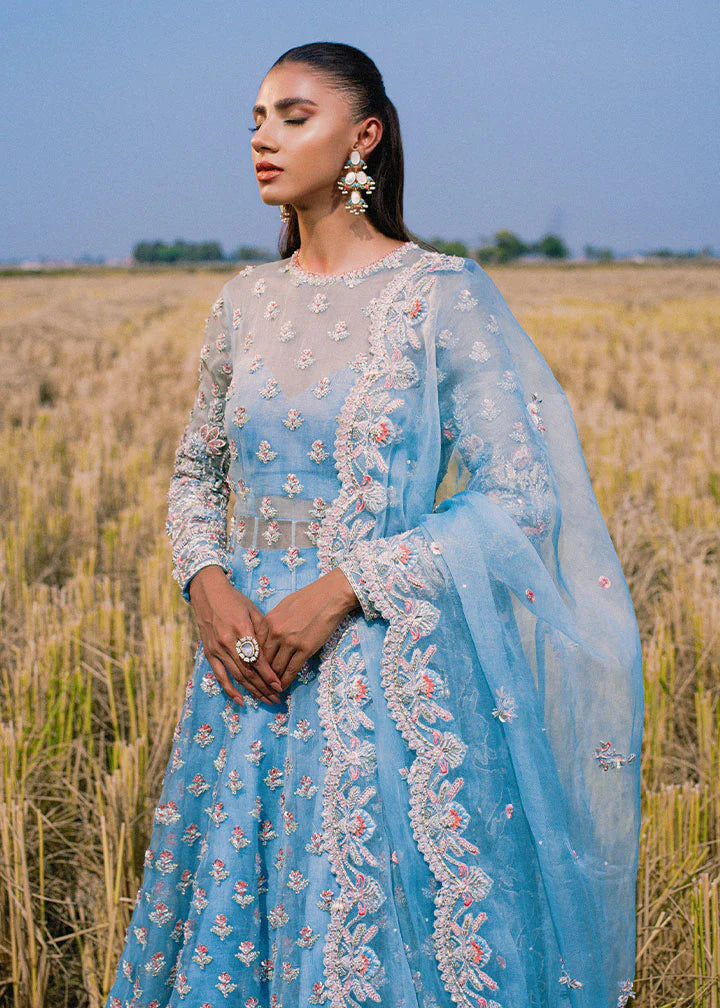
309 140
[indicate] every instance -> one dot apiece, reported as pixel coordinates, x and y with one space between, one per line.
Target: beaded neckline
390 259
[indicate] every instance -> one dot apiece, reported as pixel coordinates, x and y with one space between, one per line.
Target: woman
406 772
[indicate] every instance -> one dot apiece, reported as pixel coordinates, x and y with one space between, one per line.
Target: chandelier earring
284 211
355 179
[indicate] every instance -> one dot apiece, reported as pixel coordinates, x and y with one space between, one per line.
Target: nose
261 140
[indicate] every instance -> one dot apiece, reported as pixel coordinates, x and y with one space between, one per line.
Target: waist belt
274 521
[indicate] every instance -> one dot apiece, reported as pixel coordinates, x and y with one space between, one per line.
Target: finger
230 670
293 668
262 662
240 669
271 678
268 642
223 678
244 671
281 659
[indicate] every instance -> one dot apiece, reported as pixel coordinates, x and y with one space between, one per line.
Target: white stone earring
284 212
355 179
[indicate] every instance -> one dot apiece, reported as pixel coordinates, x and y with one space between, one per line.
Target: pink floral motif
265 452
251 558
264 588
530 594
292 485
292 559
214 440
319 303
270 389
293 419
609 758
322 388
340 332
272 532
317 452
305 359
604 581
271 310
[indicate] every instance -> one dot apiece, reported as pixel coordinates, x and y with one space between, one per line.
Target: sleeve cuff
352 569
189 575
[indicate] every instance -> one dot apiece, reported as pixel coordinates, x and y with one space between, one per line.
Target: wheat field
96 644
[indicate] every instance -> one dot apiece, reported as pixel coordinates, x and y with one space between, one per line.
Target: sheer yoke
297 346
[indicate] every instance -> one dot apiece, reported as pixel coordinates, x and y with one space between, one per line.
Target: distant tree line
504 247
181 251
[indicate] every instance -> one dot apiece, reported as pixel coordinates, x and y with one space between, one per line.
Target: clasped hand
287 635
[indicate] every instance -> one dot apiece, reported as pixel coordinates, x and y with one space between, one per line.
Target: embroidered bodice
285 357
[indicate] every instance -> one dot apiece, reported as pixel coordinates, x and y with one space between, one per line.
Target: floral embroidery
322 388
305 359
340 332
292 485
248 341
264 589
287 332
293 419
270 389
259 287
465 301
626 992
604 581
534 412
609 758
254 364
565 978
267 510
530 594
251 558
410 618
291 558
507 382
317 452
272 533
265 452
479 352
505 709
271 310
319 303
236 318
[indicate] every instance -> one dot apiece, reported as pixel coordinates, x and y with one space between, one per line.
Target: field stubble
96 644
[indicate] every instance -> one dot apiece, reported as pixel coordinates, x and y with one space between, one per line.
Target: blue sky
129 120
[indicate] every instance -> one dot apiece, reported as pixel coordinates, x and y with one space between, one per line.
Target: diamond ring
247 648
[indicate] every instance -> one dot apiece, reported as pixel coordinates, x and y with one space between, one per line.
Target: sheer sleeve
199 488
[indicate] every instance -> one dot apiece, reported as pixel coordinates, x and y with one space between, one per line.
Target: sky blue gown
444 808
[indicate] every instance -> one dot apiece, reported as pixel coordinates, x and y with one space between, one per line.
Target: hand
303 621
224 614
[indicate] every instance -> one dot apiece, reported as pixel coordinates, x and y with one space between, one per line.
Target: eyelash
253 129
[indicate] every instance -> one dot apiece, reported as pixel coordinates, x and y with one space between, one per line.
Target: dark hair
351 71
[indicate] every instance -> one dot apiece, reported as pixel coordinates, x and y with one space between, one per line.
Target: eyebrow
283 104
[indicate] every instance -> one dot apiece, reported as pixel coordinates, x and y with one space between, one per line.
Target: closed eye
299 122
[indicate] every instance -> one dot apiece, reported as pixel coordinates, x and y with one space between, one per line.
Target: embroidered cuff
188 572
351 568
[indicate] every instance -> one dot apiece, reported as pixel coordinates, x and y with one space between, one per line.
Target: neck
332 240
